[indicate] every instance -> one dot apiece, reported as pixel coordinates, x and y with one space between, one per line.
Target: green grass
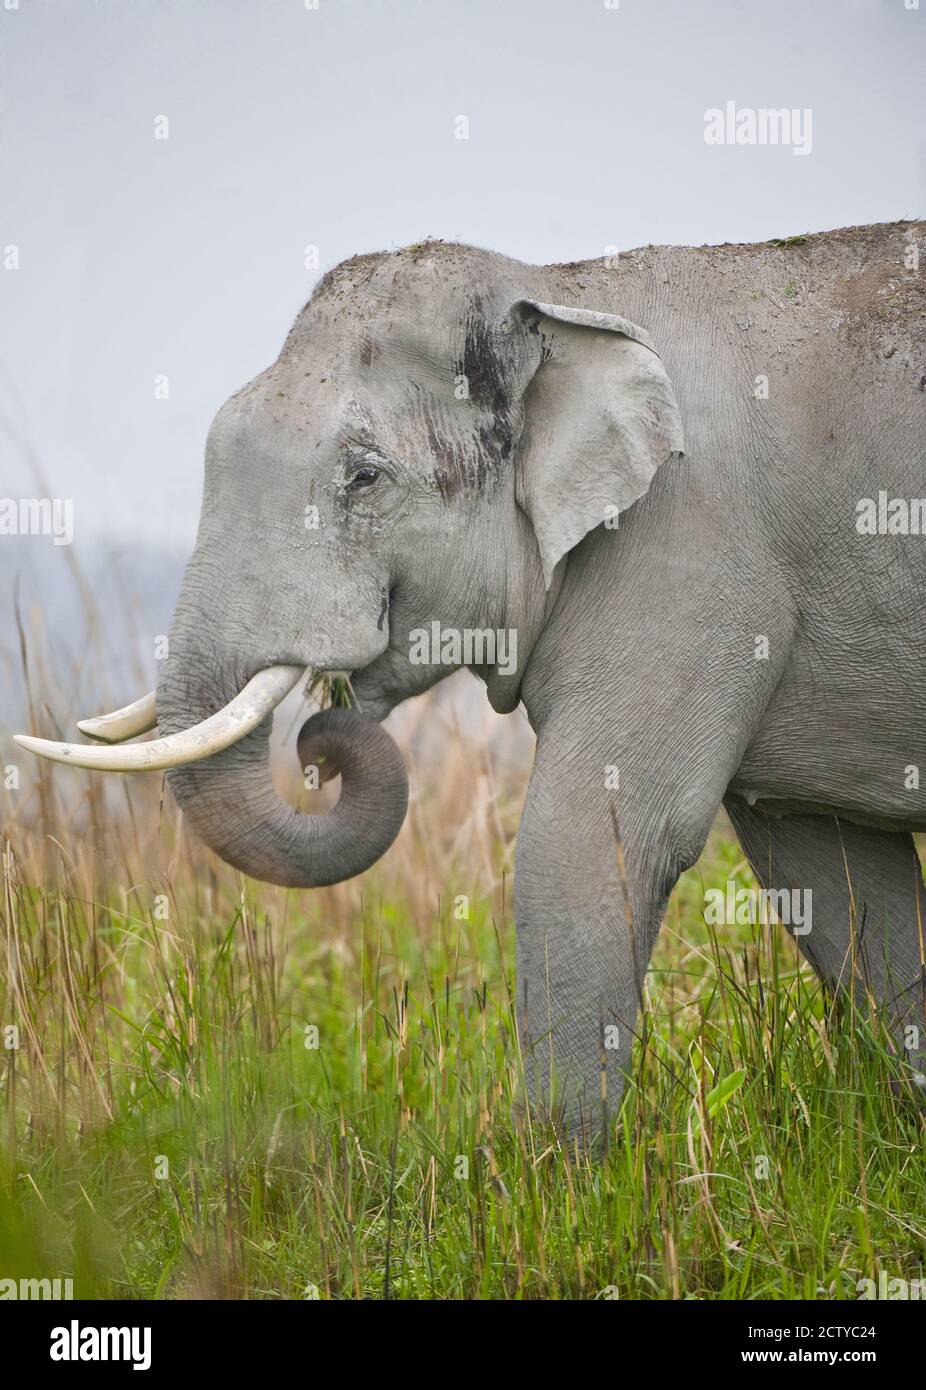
764 1149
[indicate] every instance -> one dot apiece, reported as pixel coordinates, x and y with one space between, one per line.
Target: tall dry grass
83 851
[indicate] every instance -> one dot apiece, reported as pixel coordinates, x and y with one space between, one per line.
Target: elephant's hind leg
868 908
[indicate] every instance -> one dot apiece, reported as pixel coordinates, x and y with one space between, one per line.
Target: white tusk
128 722
259 697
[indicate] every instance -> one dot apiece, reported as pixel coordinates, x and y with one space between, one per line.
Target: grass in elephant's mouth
331 692
226 1090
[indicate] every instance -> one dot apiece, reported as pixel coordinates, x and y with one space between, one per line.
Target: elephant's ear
600 416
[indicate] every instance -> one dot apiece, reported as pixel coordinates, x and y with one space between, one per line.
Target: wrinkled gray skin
636 645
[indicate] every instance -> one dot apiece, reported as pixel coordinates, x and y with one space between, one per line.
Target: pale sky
335 127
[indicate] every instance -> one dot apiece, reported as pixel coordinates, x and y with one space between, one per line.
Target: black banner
166 1339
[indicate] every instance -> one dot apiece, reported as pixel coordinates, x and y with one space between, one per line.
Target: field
214 1088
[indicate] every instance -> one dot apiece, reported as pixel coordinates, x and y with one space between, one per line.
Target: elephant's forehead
404 317
321 400
362 389
302 415
409 361
381 344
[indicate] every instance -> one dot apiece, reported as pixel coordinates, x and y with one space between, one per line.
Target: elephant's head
432 441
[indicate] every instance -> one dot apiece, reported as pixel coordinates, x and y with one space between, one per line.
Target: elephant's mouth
229 795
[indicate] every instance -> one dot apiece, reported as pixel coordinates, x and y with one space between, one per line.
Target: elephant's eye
364 476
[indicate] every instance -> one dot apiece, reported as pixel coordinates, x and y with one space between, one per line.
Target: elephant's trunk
231 802
214 717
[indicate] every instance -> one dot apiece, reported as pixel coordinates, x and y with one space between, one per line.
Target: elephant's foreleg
868 908
588 911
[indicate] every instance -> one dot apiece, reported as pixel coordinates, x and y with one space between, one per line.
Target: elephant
687 483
